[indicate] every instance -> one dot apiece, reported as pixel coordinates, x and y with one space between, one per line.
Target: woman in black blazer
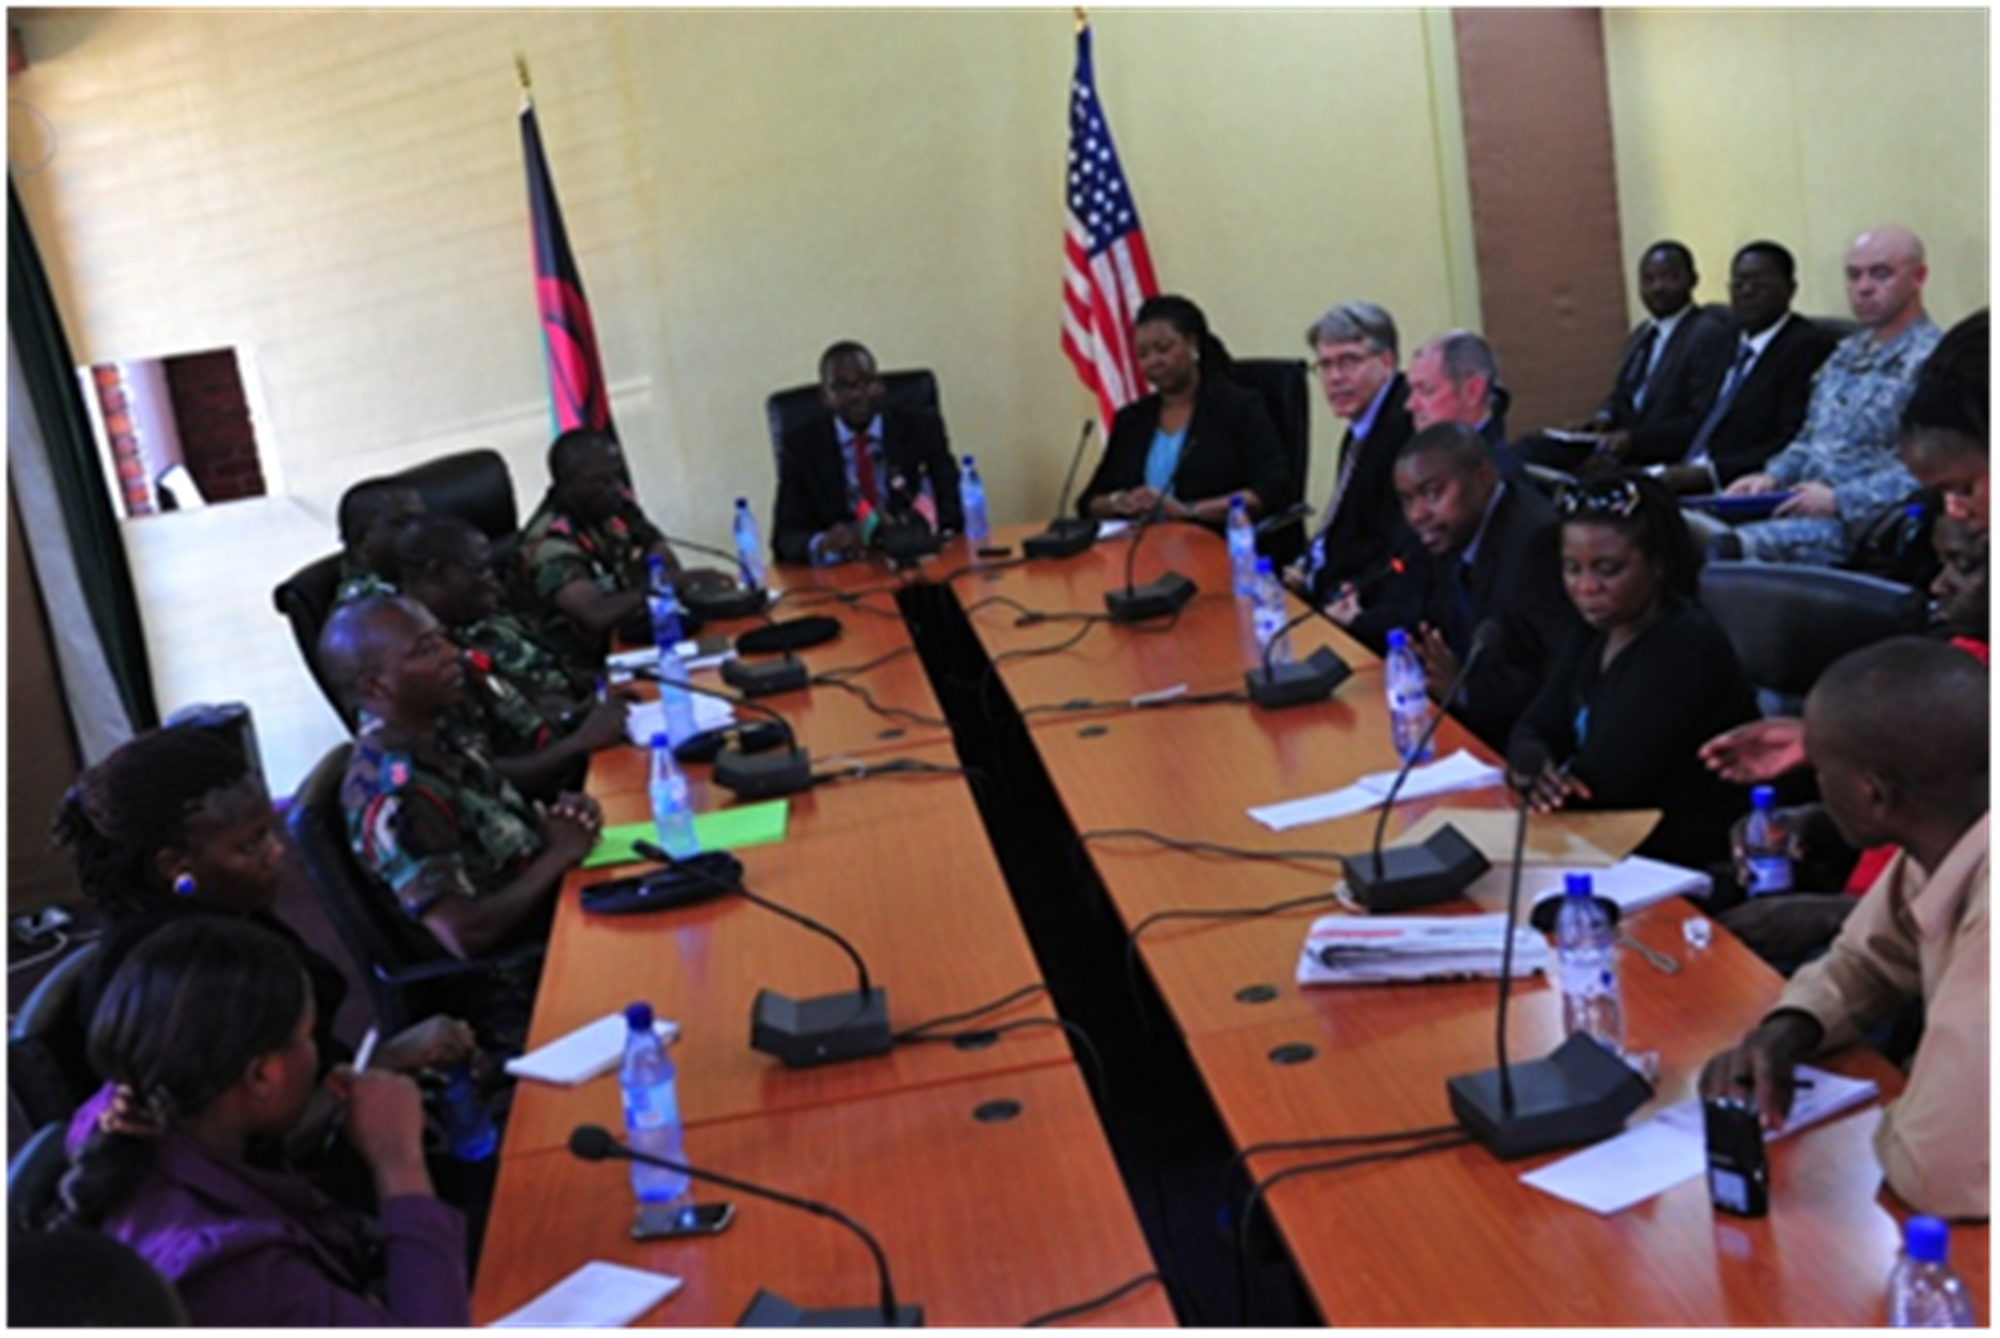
1193 443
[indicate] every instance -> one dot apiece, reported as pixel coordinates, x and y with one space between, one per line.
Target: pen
367 1050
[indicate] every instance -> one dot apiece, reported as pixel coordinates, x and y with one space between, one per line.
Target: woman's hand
385 1123
1760 751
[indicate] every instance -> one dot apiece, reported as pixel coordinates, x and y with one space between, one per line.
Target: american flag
1106 270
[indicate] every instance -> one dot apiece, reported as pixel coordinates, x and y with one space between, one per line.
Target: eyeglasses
1345 363
1620 499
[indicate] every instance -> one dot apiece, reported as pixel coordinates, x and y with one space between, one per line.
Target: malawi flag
576 378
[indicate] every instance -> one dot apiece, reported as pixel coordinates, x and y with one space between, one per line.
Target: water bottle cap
639 1016
743 504
1398 639
1915 510
1236 501
1926 1239
1762 796
657 741
968 461
1264 566
1576 885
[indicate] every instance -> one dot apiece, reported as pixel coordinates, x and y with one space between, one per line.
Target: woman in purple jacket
205 1038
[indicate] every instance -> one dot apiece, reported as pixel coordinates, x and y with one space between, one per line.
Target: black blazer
812 476
1517 582
1368 524
1770 405
1231 445
1682 388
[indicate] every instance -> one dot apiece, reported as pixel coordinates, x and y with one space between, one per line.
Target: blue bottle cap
1398 639
1236 502
657 741
743 502
968 461
1576 885
639 1016
1762 796
1263 566
1926 1239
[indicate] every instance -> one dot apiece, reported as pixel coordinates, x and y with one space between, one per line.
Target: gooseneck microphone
1163 595
1275 687
1066 535
741 601
1279 520
1440 867
763 774
804 1032
591 1142
1581 1092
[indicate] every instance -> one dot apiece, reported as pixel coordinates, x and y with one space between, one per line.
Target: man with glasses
1355 357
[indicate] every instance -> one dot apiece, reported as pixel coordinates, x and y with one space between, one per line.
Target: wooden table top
1374 1243
930 915
983 1223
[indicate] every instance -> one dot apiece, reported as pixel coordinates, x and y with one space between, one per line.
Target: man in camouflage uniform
1842 468
372 515
463 854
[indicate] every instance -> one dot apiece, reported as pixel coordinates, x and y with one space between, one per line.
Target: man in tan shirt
1898 734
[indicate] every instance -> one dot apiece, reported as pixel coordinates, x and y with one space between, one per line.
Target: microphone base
904 544
718 605
827 1030
1155 599
1313 679
768 1310
1063 538
764 775
1407 877
1579 1094
766 679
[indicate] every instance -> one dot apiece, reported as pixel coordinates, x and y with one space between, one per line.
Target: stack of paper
1356 949
646 719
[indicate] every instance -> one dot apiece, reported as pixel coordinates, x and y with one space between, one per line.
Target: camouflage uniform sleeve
405 833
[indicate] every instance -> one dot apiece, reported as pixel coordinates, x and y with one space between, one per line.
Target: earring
184 885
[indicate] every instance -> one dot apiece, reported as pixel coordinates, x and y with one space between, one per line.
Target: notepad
584 1053
1460 771
597 1296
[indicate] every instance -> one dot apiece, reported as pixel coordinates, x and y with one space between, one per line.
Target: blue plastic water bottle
673 815
1767 855
1587 955
972 500
1242 549
468 1125
1274 644
652 1112
1409 702
664 607
749 544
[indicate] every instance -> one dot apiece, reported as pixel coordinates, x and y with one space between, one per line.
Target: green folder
725 829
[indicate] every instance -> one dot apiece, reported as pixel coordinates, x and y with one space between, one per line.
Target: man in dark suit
1485 550
839 474
1355 354
1666 375
1758 402
1455 378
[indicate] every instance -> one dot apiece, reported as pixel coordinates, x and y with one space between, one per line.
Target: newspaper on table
1366 949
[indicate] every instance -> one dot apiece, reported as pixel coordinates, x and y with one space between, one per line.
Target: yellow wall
340 197
1806 126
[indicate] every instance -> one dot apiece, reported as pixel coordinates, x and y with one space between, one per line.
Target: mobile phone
995 551
1739 1173
659 1221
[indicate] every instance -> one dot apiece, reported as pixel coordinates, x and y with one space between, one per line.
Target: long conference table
988 1220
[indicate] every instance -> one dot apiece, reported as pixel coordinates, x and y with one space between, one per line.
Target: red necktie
864 472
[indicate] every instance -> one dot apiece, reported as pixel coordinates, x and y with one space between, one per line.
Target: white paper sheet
584 1053
1672 1147
646 719
597 1296
1460 771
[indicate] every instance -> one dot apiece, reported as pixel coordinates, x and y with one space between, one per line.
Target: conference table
986 1221
1139 733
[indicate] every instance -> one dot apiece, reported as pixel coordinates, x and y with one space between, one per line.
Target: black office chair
1789 623
77 1279
1283 386
32 1177
409 973
48 1068
786 409
473 485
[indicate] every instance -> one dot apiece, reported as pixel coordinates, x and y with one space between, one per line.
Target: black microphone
743 600
1581 1092
759 775
902 535
1445 864
1312 679
1066 535
590 1142
803 1033
1279 520
1165 594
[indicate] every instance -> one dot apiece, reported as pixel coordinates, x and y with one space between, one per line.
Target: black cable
999 1029
1218 913
1260 1190
868 699
895 766
915 1033
1094 1303
1081 705
1209 847
1240 1161
856 670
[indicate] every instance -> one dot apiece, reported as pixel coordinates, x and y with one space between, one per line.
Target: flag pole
1082 19
521 73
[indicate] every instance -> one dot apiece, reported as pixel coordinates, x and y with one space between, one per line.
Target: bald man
1842 468
464 855
1898 735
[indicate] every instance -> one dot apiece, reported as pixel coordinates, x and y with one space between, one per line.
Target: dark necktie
1639 365
864 471
1739 371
